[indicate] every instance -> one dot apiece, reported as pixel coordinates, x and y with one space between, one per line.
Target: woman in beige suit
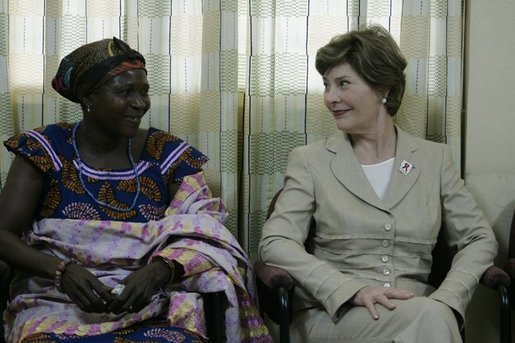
378 196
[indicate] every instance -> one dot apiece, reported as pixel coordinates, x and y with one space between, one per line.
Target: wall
490 138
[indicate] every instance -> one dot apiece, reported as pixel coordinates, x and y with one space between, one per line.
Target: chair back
511 258
511 248
442 260
312 226
5 281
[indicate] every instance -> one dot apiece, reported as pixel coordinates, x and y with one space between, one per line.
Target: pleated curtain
234 78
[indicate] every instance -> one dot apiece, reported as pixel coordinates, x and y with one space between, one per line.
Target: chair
5 280
510 261
275 286
213 305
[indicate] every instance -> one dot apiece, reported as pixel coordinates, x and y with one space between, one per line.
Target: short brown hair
374 55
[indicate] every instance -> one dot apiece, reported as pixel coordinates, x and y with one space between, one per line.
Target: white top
379 176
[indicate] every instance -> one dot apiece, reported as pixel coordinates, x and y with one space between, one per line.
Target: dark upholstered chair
510 262
213 307
5 279
275 286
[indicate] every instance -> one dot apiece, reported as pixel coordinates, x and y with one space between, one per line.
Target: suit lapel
403 180
347 169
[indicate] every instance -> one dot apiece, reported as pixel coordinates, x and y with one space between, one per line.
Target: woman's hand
140 286
85 289
371 295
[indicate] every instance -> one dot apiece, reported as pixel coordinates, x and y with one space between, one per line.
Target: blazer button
384 258
385 243
387 227
387 284
386 272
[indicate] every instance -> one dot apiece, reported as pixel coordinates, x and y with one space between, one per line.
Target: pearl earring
383 101
88 109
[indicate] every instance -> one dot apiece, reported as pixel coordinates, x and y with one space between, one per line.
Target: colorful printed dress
165 159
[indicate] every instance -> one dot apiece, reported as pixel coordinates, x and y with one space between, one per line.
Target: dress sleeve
34 146
189 162
176 158
284 234
467 230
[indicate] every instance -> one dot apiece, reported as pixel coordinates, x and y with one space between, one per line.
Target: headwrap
90 66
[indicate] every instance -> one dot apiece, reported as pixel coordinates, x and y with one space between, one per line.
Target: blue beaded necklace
81 167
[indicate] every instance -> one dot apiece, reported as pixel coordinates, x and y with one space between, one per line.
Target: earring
88 109
383 101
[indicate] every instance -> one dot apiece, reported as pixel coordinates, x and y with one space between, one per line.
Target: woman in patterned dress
103 169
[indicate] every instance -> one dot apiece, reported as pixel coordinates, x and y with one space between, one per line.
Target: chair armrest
497 279
275 289
510 267
495 276
214 309
505 313
6 275
272 277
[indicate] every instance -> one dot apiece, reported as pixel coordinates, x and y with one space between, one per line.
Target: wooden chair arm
6 275
275 290
272 277
214 309
498 279
510 267
494 276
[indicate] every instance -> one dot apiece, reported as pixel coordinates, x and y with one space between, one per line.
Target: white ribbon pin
405 167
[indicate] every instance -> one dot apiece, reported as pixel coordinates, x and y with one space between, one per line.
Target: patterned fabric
165 159
191 233
148 332
91 65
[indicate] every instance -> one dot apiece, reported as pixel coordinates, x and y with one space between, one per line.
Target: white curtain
235 78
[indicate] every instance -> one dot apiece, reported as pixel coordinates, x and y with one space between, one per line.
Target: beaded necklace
81 167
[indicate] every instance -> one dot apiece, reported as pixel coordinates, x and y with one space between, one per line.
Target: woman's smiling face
119 105
354 105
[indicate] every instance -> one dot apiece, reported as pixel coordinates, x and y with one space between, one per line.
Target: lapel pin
405 167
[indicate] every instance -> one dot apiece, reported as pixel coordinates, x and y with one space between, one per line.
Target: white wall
490 138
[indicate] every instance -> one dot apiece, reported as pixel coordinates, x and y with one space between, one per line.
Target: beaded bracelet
61 268
171 266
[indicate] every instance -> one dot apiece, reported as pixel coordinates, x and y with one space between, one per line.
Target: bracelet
170 265
59 272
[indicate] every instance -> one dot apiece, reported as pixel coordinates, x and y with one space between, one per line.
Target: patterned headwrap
90 66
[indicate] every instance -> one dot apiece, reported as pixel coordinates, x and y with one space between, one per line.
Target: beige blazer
362 240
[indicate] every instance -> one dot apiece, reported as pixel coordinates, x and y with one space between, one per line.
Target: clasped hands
91 295
369 296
